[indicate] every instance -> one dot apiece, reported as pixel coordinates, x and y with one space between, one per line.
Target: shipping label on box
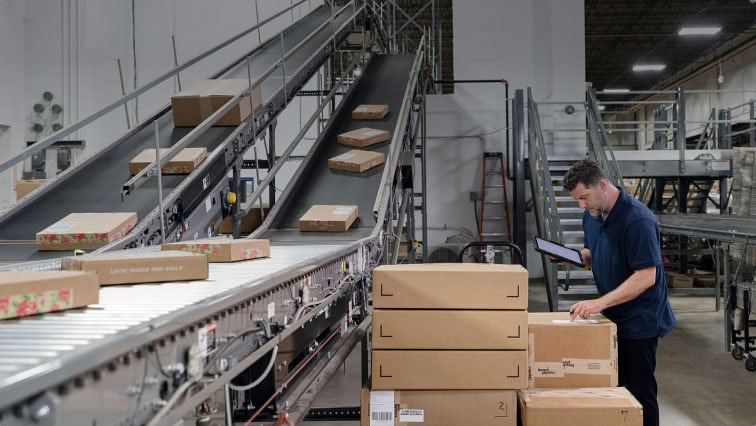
462 369
184 162
356 161
140 267
449 329
328 218
24 293
224 250
370 112
363 137
450 286
611 406
85 231
555 361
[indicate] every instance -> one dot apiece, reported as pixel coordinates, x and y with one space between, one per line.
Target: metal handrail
599 140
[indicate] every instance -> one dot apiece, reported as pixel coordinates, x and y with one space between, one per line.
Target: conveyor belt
96 188
736 229
384 81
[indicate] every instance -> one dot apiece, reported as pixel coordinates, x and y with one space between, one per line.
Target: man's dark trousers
637 362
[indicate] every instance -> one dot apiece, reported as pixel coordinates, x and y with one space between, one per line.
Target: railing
598 140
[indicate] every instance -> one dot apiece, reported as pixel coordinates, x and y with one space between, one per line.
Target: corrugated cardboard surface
363 137
449 407
140 267
85 231
370 112
183 163
399 369
25 187
25 293
249 223
224 250
193 105
450 286
449 329
328 218
356 161
557 360
580 407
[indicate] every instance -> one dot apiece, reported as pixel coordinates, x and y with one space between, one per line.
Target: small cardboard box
25 187
580 407
199 101
556 360
356 37
224 250
363 137
449 329
399 369
25 293
677 280
140 267
85 231
328 218
370 112
249 223
439 407
182 164
450 286
356 161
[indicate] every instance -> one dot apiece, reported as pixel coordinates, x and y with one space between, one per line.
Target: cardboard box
564 354
430 329
356 161
25 187
399 369
25 293
249 223
328 218
182 164
364 137
370 112
357 38
440 407
677 280
450 286
224 250
199 101
140 267
580 407
85 231
706 280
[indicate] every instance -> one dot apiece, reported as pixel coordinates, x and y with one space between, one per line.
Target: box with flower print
85 231
24 293
224 249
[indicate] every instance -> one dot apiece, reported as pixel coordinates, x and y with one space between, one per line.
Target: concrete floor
699 384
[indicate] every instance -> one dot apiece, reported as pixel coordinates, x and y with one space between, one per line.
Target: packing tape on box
581 393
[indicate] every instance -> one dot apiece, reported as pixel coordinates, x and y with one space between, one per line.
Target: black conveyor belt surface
384 81
96 187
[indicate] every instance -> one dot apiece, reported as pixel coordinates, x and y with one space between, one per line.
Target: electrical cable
171 402
262 376
211 362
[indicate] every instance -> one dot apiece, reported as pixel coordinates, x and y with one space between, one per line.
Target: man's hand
585 308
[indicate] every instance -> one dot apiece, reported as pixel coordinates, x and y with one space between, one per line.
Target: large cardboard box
564 354
249 223
450 286
25 293
363 137
199 101
439 407
449 329
580 407
328 218
182 164
356 161
25 187
678 280
399 369
140 267
370 112
85 231
224 250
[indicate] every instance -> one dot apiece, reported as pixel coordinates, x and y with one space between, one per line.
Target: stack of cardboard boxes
449 344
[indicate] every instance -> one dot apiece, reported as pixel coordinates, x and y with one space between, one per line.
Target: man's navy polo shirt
627 241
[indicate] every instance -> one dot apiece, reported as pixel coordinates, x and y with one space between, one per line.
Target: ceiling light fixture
720 78
616 90
649 67
684 31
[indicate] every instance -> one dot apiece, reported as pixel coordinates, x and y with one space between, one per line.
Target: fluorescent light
699 30
649 67
616 90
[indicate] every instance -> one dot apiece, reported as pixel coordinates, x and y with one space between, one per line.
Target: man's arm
636 284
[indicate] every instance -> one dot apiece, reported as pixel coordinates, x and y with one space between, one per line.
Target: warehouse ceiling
623 33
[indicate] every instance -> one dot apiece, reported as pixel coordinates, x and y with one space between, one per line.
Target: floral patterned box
182 164
224 249
24 293
356 161
328 218
85 231
135 267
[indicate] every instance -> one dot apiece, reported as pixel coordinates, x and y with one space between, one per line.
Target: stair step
573 234
583 289
571 222
577 274
494 217
576 246
558 168
492 234
558 188
570 210
563 199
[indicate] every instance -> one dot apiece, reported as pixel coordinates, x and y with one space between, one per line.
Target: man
622 246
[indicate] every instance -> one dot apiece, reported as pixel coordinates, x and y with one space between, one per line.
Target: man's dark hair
586 172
